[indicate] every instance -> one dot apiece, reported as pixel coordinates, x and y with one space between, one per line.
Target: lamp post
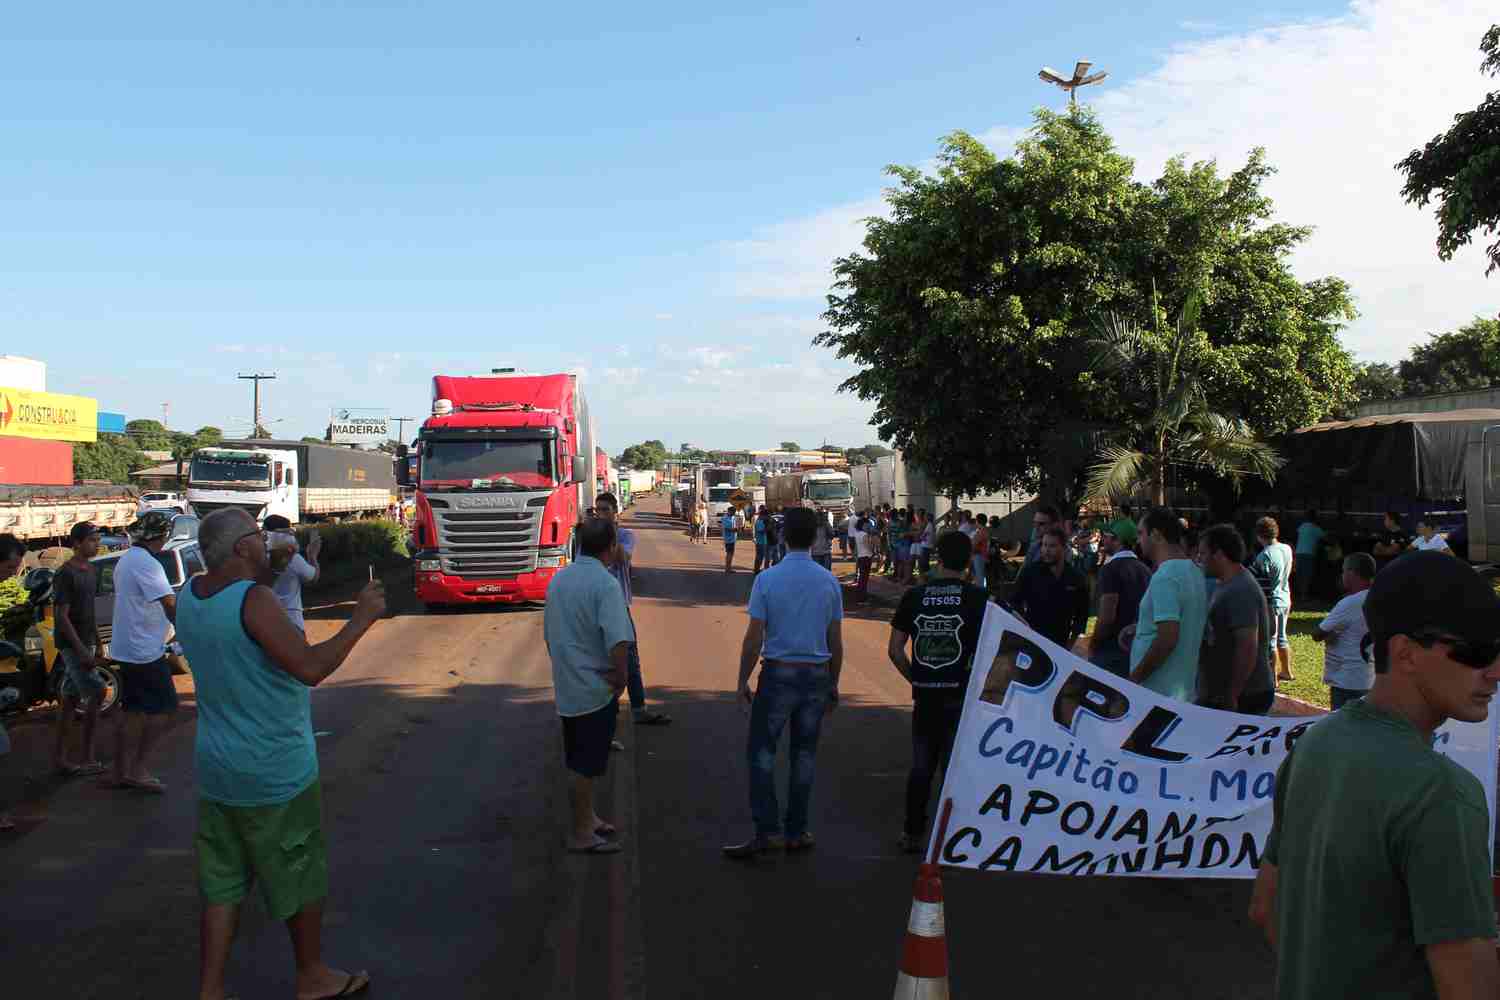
1081 78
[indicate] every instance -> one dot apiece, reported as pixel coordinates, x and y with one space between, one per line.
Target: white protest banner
1062 767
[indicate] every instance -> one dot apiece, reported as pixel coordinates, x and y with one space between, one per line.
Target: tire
108 673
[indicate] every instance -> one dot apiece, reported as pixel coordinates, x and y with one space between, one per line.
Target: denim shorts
148 688
85 685
1279 618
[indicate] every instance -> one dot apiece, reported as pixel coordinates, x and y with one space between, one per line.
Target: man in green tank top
260 804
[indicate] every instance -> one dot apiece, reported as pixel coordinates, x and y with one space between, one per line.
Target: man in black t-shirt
1391 542
941 620
81 651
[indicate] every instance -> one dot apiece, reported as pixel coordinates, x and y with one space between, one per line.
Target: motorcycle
37 675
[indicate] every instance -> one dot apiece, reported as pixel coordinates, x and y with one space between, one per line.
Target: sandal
156 787
356 983
600 846
649 718
7 824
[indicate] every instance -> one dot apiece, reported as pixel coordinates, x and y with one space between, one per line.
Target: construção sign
48 416
359 426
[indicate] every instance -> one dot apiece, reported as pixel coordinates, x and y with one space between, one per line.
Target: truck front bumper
437 587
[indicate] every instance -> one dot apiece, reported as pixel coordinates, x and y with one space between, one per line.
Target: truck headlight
430 565
551 558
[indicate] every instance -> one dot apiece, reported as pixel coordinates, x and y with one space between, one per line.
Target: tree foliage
790 446
1461 168
110 459
646 455
969 307
1466 358
1378 380
149 435
1170 419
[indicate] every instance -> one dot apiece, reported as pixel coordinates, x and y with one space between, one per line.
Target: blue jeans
799 695
976 563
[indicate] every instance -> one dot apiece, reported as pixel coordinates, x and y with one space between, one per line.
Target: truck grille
488 544
205 508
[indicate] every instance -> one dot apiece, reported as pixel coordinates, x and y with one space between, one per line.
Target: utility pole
255 417
401 423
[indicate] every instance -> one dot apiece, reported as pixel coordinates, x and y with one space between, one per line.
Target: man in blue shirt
762 539
588 634
796 628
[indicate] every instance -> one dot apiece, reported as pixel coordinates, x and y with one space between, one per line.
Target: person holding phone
293 570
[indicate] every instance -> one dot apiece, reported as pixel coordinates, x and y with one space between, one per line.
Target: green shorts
281 845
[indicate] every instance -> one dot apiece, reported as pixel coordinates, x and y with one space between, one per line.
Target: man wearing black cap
1376 876
78 644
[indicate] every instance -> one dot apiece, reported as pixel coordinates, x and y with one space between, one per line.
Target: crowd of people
241 625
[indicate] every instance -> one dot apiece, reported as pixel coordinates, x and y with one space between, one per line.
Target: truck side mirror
403 467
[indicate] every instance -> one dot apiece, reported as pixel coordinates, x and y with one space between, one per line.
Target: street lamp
1081 78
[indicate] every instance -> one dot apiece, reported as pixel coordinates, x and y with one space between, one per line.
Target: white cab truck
718 485
301 481
824 490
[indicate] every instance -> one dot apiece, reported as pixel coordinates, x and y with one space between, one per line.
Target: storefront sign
48 416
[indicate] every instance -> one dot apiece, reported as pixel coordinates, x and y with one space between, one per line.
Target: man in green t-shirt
1376 876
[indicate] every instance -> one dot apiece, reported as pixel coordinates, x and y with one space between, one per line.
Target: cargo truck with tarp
299 480
1444 466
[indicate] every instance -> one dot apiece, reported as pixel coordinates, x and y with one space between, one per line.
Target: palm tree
1174 424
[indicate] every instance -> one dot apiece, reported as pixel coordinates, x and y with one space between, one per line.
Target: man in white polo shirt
145 608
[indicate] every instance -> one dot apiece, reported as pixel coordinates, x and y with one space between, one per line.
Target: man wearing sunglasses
1376 876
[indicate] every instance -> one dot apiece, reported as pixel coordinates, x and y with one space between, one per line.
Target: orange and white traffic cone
924 956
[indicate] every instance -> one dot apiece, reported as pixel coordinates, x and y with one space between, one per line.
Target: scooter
37 675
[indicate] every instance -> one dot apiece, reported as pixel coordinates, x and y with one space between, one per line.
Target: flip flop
597 847
7 824
156 787
653 719
606 830
356 983
91 768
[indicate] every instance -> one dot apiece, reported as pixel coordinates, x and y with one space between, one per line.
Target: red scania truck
504 471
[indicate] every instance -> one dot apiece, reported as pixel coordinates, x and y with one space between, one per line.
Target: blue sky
357 196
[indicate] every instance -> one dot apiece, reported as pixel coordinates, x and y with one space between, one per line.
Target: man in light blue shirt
1272 569
588 634
796 628
1169 629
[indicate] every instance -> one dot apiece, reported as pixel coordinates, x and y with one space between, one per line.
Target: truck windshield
722 493
497 465
830 491
224 471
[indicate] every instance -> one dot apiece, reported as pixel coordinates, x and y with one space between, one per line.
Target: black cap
277 522
1432 592
82 530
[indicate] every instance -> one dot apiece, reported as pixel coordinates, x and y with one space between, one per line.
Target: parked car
162 500
182 560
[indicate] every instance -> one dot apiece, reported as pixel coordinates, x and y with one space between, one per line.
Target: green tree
646 455
1466 358
1378 380
308 439
208 436
968 308
110 459
149 435
790 446
1461 168
1167 420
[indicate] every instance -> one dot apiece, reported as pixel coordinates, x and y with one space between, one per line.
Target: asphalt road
445 809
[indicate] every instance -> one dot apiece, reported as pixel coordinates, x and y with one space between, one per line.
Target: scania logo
501 501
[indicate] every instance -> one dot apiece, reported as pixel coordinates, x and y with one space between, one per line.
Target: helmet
151 525
37 582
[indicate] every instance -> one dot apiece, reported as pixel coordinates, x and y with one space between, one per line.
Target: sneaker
909 844
753 848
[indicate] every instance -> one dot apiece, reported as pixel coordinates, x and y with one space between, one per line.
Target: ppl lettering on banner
1060 766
